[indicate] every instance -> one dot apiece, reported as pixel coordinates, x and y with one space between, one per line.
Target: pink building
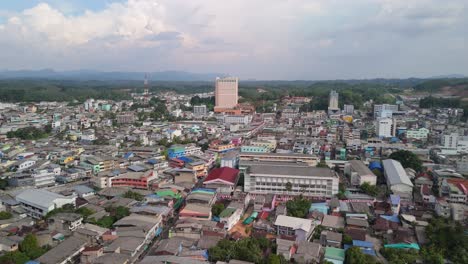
226 92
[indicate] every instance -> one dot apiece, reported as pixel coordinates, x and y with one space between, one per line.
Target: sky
252 39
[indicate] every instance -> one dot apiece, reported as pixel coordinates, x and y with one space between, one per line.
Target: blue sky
263 39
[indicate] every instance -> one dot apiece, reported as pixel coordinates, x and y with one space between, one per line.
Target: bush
5 215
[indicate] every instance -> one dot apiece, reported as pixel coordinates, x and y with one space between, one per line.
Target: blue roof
375 165
367 251
185 159
364 244
391 218
321 207
394 199
128 155
136 168
152 161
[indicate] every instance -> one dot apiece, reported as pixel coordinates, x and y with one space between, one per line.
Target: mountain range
108 76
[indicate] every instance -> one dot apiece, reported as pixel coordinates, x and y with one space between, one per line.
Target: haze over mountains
108 76
160 76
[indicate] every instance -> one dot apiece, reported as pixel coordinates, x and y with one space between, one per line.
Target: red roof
225 174
462 184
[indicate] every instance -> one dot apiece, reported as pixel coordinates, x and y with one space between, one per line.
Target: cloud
290 39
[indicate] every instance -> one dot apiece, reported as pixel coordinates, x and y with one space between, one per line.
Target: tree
347 239
371 190
119 212
5 215
133 195
449 240
106 222
322 164
400 256
217 209
3 184
85 212
355 255
407 159
298 207
288 186
380 176
30 247
14 257
274 259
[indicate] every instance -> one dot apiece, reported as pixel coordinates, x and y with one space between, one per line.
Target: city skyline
299 39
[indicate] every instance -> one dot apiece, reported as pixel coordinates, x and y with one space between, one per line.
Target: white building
384 127
397 179
302 229
199 110
43 178
388 108
421 133
450 141
348 109
38 202
333 103
235 119
288 179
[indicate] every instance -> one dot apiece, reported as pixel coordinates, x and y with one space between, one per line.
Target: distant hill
108 76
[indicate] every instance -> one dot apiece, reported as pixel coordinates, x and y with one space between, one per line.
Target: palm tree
288 186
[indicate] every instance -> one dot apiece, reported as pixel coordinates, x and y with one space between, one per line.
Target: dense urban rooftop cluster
212 178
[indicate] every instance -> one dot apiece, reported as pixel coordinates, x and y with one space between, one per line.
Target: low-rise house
285 246
133 224
334 255
231 215
333 222
66 252
357 222
7 244
65 222
224 180
331 239
308 252
359 173
293 226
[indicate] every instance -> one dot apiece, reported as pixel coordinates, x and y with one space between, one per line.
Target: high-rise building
385 127
333 103
226 92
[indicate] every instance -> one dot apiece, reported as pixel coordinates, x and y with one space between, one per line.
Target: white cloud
246 37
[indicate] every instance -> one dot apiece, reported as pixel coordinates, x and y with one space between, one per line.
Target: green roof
170 193
334 253
403 245
227 212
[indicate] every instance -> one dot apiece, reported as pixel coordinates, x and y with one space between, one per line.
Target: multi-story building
178 151
279 157
348 109
384 110
302 229
226 93
38 202
199 110
385 128
420 134
450 141
333 103
288 179
235 119
141 180
43 178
